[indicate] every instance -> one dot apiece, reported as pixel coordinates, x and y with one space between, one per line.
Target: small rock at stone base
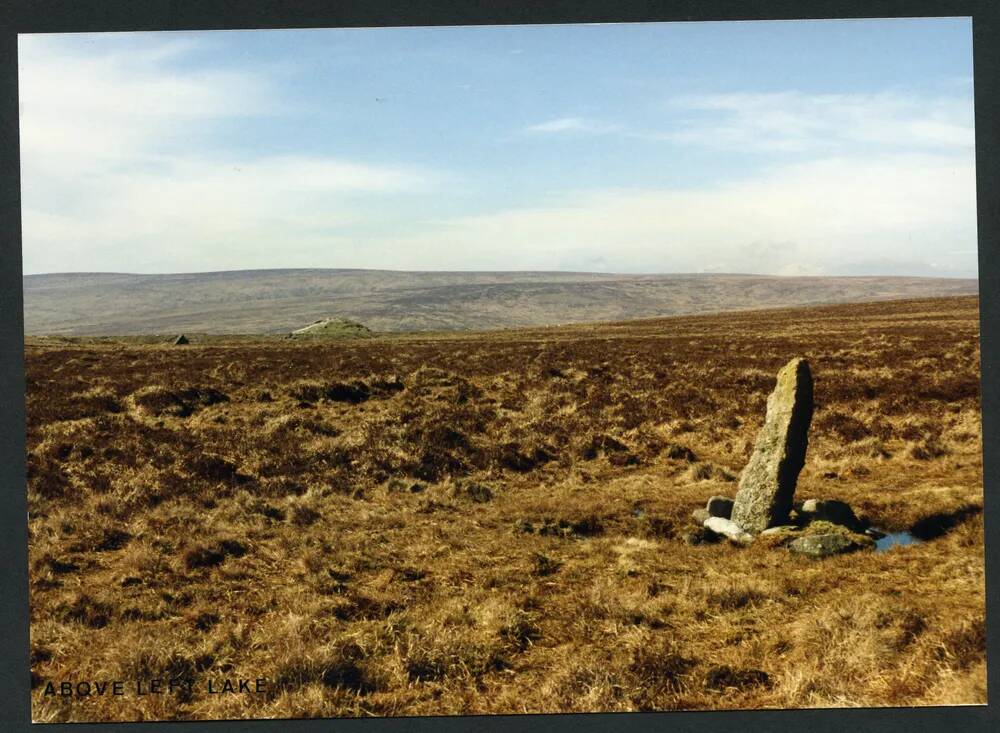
823 545
720 506
729 528
833 511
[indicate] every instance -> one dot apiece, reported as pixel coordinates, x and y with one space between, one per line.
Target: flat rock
720 506
729 529
823 545
767 484
779 529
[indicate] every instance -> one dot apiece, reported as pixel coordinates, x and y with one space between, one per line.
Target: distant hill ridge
280 301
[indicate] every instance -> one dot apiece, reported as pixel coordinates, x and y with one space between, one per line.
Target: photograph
457 370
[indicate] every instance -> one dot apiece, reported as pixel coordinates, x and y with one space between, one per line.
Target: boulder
767 484
823 545
831 510
728 528
720 506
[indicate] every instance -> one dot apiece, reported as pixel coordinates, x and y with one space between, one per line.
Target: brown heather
493 522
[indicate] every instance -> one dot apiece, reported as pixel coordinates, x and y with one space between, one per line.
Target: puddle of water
892 539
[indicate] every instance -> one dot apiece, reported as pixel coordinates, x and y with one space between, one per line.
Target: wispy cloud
796 122
572 125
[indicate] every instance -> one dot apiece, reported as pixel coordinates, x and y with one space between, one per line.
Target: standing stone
767 484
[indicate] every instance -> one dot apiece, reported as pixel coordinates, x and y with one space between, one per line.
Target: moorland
498 521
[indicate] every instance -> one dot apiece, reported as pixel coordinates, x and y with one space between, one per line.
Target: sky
839 147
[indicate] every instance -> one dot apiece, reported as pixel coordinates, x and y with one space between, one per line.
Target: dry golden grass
495 522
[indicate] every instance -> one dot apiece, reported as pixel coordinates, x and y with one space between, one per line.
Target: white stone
729 528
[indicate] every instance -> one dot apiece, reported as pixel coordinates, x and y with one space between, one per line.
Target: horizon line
485 272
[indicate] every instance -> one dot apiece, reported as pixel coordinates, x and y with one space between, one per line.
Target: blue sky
797 147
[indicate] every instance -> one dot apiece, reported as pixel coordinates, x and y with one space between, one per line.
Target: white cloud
822 123
205 214
80 109
121 169
825 216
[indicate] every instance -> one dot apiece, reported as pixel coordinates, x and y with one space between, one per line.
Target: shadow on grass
935 525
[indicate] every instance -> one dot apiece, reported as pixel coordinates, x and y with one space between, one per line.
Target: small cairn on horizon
765 498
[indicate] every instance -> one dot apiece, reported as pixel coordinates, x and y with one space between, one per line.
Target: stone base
824 527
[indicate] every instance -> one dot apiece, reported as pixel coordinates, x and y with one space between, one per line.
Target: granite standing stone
767 484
